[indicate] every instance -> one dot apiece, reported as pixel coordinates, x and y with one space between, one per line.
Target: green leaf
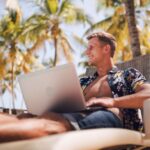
104 24
63 6
52 6
13 15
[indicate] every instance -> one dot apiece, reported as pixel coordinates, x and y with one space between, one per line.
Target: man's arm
142 93
136 100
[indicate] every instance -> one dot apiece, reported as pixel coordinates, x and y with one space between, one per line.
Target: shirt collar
113 70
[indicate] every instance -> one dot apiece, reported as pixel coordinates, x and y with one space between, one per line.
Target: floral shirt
122 82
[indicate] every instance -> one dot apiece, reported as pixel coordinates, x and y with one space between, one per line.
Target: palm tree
19 40
48 23
133 32
13 59
117 24
8 43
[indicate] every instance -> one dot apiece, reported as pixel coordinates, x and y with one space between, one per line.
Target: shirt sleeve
134 78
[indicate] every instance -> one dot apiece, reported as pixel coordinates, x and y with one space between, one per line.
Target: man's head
101 46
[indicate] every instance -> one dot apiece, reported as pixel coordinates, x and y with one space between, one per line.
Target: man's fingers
106 102
91 102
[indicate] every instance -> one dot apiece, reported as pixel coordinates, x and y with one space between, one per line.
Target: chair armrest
79 140
146 113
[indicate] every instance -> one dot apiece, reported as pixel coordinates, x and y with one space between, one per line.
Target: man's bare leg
13 128
58 118
6 118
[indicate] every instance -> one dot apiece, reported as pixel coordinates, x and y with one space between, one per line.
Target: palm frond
63 6
66 49
80 40
14 10
36 18
71 49
40 40
82 17
51 5
104 24
71 13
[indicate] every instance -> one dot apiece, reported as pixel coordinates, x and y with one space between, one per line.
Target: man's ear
107 48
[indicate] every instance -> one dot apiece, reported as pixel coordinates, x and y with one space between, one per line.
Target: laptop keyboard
92 109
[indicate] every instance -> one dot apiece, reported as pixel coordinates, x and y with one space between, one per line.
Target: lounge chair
94 139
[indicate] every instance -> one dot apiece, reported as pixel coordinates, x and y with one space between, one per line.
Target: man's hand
105 101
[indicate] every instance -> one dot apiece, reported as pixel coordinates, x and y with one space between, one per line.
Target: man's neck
104 67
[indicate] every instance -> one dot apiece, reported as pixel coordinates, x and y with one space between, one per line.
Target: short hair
107 38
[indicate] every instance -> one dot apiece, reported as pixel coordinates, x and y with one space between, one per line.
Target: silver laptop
55 89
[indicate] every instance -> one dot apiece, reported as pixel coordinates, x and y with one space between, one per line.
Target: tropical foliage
47 25
19 39
13 57
117 25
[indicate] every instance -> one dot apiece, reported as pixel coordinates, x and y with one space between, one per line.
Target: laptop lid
55 89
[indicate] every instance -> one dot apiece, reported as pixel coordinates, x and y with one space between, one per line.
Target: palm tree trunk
133 32
55 55
12 84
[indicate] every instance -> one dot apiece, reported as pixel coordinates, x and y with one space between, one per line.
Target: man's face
95 51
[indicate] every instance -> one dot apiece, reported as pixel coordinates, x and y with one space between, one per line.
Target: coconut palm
117 25
13 59
8 45
47 25
133 32
19 40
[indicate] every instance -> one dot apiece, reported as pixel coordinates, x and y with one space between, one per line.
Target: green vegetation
127 32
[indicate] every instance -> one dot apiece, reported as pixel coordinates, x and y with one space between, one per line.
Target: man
119 92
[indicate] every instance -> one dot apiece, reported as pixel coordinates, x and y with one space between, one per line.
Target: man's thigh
97 119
